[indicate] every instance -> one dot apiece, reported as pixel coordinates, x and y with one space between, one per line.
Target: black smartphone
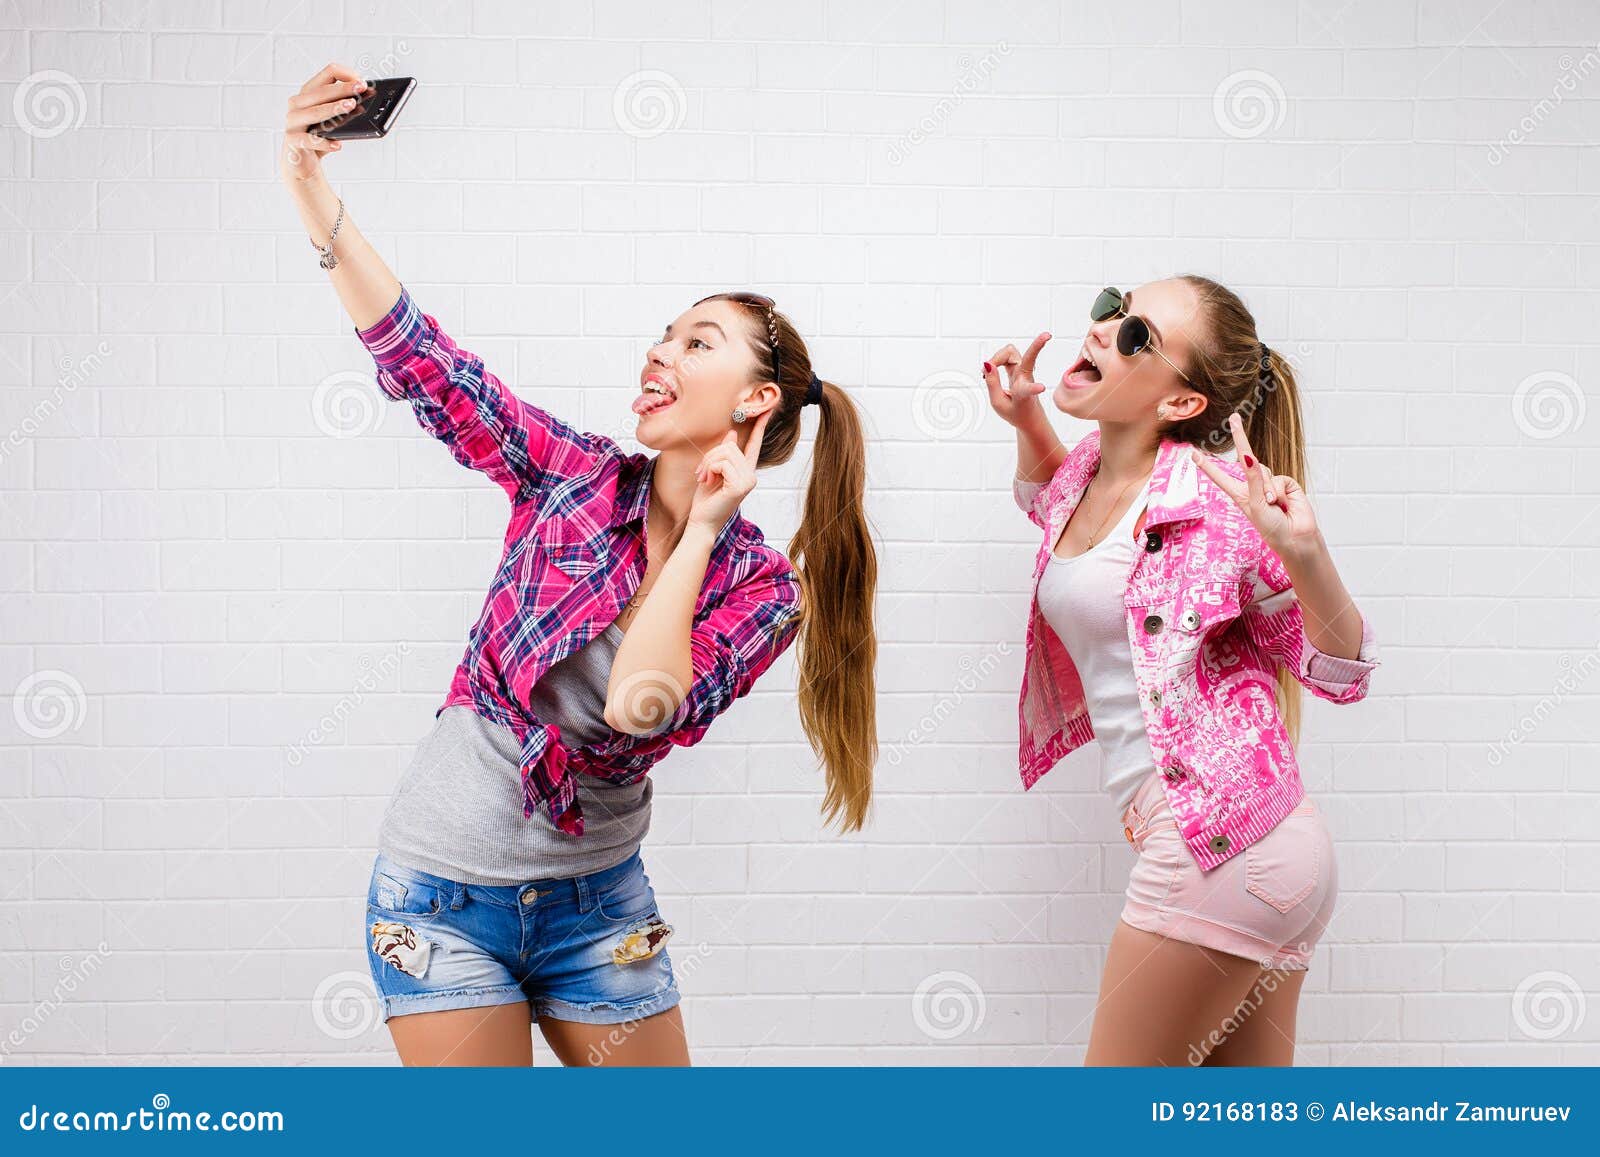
374 113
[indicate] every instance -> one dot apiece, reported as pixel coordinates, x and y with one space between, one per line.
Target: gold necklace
1114 505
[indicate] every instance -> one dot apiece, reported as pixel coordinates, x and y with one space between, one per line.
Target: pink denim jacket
1211 615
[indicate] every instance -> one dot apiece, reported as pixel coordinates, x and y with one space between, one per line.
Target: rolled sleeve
1275 621
398 337
732 647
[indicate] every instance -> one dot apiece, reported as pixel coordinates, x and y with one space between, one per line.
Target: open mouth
654 395
1082 372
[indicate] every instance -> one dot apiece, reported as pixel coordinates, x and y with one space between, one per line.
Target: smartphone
373 116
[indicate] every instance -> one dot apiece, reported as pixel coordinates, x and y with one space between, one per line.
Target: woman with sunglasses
1180 601
632 605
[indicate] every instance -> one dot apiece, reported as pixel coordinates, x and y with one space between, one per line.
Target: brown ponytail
1236 371
838 566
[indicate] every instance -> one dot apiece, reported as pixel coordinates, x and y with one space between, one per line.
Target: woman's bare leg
1265 1032
655 1040
498 1035
1165 1001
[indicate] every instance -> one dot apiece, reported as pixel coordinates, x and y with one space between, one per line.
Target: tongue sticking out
650 403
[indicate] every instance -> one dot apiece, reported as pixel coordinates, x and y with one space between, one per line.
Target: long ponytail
838 568
837 564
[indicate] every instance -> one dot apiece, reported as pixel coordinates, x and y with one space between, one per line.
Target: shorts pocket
1284 866
630 898
404 896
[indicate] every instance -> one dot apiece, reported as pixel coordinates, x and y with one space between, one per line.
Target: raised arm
456 399
1039 449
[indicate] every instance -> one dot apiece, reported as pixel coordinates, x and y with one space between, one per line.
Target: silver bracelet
325 258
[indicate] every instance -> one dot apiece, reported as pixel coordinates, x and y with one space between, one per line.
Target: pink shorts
1269 903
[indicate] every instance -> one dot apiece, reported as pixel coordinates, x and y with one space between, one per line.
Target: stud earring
738 415
1161 413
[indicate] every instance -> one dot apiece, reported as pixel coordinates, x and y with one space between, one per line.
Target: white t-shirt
1082 600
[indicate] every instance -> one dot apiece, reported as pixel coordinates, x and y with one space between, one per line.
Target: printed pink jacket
1211 615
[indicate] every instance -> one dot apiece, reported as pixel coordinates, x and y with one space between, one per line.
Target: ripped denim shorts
586 948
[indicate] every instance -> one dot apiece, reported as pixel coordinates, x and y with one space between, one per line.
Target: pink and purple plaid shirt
574 554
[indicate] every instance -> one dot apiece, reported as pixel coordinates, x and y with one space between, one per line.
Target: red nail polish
987 368
1250 463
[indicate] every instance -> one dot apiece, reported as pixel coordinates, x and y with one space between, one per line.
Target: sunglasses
1133 335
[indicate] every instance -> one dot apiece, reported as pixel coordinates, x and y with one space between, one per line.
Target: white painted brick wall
218 575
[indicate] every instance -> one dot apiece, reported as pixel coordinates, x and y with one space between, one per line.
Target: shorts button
1152 624
529 895
1219 844
1127 833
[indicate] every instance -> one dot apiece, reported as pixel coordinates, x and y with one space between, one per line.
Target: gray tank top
457 810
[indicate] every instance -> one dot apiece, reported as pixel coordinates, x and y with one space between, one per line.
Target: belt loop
458 895
585 893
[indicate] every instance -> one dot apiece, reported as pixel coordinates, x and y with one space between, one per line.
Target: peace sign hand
725 476
1018 400
1275 503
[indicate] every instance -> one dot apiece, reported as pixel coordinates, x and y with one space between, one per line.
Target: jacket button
1155 698
1172 772
1219 844
1152 624
1190 620
1152 541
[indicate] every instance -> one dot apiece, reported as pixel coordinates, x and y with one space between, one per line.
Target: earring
738 415
1161 413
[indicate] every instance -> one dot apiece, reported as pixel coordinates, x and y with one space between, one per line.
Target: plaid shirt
574 554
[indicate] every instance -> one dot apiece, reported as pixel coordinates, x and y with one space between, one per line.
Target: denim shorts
1270 902
585 948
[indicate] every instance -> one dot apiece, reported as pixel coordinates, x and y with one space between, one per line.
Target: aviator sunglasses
1133 335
